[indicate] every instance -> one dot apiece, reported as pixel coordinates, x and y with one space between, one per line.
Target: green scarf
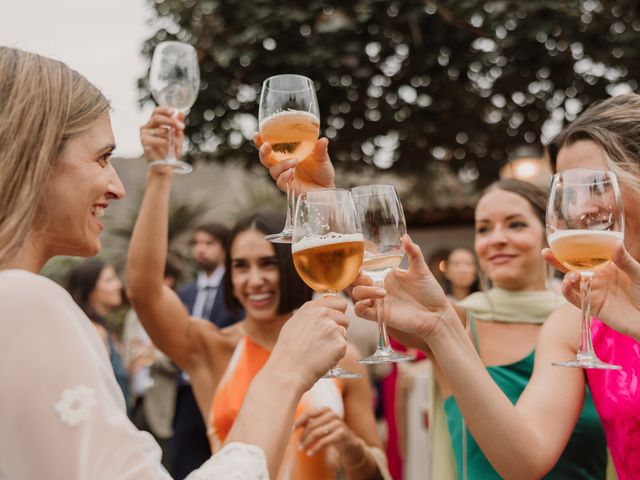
499 305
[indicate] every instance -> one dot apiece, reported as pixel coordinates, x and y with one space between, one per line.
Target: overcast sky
99 38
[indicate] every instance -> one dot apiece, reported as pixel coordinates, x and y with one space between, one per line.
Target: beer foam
307 116
560 234
323 240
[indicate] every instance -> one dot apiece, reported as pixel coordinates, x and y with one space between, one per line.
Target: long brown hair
43 103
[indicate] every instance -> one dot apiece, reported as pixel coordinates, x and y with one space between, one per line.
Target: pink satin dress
616 394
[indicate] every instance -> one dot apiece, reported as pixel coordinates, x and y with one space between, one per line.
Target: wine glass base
386 356
587 361
178 166
282 237
339 372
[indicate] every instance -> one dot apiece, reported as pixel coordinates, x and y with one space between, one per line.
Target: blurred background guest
153 377
461 274
97 289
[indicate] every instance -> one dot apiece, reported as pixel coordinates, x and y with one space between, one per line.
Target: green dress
585 456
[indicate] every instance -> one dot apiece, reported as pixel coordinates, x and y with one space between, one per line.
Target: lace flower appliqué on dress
75 404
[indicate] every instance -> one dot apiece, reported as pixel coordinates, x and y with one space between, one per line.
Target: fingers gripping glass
383 225
289 120
174 80
327 245
585 222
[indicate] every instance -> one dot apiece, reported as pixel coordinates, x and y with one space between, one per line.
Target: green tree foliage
402 84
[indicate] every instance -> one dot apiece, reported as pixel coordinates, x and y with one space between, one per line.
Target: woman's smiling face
508 241
255 275
82 183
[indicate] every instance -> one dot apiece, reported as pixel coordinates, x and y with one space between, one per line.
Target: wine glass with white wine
289 120
585 223
383 226
174 80
327 245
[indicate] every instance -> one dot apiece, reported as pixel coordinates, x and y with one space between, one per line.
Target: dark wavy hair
293 291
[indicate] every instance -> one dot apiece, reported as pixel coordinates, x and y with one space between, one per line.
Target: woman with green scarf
503 322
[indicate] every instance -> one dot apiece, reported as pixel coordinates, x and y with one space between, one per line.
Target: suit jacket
219 315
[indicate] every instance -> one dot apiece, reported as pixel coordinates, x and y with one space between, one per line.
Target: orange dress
246 361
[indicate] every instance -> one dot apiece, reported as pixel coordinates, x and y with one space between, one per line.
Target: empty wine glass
383 225
289 120
174 80
585 223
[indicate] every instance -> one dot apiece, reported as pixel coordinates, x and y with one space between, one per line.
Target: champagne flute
174 80
585 222
289 120
327 245
383 225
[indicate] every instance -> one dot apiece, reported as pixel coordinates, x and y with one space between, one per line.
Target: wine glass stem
171 152
291 205
586 347
328 293
383 337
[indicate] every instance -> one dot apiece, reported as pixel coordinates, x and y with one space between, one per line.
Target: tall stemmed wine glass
383 225
327 245
174 80
585 222
289 119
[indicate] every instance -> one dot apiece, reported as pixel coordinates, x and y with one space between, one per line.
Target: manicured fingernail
381 291
180 124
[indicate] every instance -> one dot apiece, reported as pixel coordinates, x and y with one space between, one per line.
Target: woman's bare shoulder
212 335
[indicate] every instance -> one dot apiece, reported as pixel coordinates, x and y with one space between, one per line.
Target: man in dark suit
203 298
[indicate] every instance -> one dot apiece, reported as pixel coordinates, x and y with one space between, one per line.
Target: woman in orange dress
335 427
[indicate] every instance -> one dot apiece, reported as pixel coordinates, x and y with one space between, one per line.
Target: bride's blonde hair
43 103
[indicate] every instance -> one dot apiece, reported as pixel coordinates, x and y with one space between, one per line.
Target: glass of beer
327 245
383 225
174 80
585 222
289 120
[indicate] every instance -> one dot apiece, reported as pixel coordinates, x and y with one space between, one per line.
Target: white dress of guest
62 414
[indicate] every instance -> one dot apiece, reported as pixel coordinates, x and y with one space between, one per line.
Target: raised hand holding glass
289 120
174 80
383 225
327 245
